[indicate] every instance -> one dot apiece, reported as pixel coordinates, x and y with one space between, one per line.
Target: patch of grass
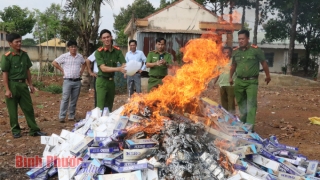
38 84
40 106
53 88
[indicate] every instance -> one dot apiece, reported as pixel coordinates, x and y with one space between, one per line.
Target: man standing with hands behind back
245 62
15 65
73 65
107 57
158 61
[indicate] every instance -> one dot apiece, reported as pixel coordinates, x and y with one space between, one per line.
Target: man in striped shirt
72 65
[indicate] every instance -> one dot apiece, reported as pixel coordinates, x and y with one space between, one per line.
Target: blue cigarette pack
111 160
103 150
141 143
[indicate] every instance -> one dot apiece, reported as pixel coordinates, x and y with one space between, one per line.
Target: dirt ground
282 111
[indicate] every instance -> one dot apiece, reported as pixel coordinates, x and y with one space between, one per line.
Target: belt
73 79
158 77
107 78
247 78
18 80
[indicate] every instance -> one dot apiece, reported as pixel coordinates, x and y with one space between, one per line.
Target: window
269 58
1 38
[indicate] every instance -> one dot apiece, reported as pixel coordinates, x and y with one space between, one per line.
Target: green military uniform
246 83
105 86
17 64
157 73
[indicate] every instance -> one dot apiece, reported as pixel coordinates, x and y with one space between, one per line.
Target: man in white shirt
72 67
89 60
135 55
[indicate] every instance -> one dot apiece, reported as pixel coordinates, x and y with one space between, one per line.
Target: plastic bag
132 67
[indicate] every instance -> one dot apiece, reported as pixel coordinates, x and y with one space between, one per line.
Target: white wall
185 15
281 58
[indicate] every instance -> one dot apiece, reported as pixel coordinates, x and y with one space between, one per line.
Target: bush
38 84
53 88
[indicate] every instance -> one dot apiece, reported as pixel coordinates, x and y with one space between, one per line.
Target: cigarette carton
33 173
242 175
81 146
135 118
136 175
312 168
112 158
136 154
95 150
286 176
141 143
265 162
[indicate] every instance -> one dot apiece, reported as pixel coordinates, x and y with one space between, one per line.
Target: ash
186 151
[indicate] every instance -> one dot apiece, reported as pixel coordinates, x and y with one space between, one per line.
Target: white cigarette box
136 175
265 162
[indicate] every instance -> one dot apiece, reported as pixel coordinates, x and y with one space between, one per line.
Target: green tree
29 42
68 29
140 9
307 25
86 14
48 23
17 20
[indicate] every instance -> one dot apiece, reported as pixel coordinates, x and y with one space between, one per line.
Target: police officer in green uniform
158 61
245 62
107 57
15 66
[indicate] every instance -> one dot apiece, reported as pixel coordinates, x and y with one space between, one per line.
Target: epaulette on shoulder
254 46
100 49
236 48
8 53
116 47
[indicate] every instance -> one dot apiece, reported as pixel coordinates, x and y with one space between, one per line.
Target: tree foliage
140 9
308 25
29 42
86 14
48 23
17 20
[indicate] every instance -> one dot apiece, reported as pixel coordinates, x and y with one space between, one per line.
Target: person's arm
5 78
266 70
105 68
168 61
83 67
56 65
262 59
5 67
88 63
30 81
151 64
144 60
232 70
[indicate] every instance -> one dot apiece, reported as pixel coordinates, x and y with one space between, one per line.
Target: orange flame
203 59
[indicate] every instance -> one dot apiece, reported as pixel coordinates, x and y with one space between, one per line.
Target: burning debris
216 146
171 134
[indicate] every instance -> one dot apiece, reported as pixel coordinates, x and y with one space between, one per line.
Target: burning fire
203 60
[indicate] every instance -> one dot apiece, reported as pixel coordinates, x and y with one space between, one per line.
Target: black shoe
39 133
61 121
73 119
18 135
